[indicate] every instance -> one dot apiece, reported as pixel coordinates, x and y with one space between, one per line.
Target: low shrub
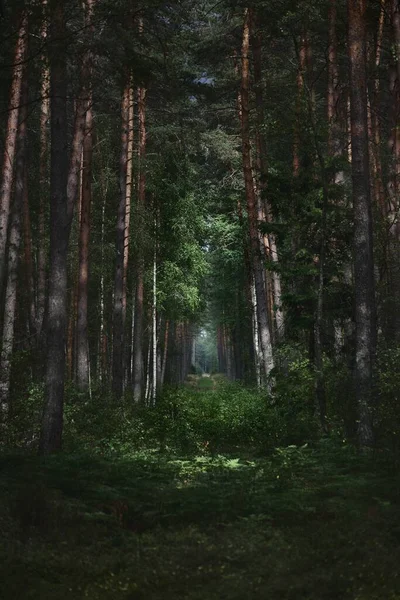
188 419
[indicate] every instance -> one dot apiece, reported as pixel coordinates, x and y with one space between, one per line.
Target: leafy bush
25 414
184 420
232 416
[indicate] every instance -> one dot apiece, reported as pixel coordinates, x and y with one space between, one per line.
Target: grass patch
313 523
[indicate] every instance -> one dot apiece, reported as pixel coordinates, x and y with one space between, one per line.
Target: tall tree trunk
263 171
43 173
165 353
82 105
256 337
257 261
13 256
28 259
128 200
10 141
154 325
376 125
52 423
139 297
118 312
363 239
82 342
128 208
102 359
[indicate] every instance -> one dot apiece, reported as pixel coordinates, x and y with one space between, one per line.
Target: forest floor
303 523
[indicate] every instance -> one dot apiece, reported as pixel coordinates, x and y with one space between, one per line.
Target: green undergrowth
218 493
218 417
304 523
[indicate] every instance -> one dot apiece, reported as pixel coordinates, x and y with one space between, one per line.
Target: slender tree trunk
138 338
376 125
148 375
154 325
363 239
82 105
70 330
263 171
129 188
257 262
10 142
256 337
102 361
28 259
138 334
118 312
43 184
128 203
82 342
165 352
52 424
13 255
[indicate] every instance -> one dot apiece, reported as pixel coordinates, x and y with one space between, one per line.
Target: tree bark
82 342
165 353
10 142
154 326
128 200
52 423
376 124
82 105
44 119
363 238
139 297
13 255
28 260
257 261
118 312
263 172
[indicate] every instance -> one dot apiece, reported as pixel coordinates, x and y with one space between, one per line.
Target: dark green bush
185 419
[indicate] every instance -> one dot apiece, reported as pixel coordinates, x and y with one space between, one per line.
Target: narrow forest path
205 382
304 523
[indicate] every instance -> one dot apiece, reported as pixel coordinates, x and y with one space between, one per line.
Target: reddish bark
10 141
275 290
256 258
13 255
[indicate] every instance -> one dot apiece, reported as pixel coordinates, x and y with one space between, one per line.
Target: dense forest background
217 171
199 299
